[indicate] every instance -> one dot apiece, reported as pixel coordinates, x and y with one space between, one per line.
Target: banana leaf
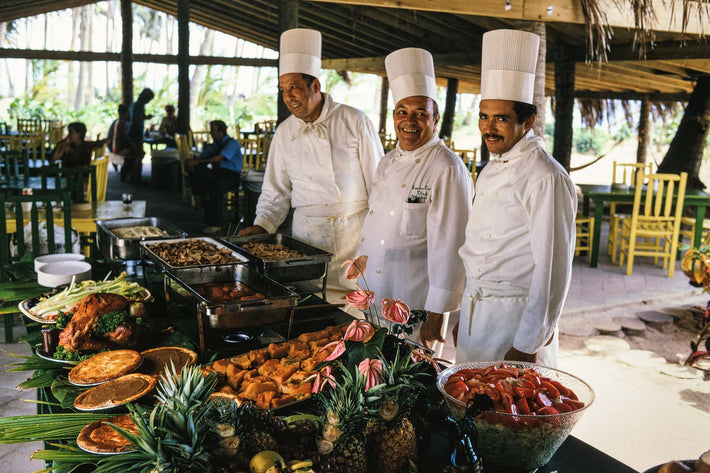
65 392
47 427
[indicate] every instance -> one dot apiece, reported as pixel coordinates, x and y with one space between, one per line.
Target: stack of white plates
57 269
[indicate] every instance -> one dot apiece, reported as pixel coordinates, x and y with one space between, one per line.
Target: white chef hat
508 62
411 72
299 51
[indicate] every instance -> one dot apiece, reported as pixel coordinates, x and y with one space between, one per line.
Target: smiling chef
419 204
521 231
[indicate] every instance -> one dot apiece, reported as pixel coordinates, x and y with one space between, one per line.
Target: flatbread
156 360
114 393
104 367
99 437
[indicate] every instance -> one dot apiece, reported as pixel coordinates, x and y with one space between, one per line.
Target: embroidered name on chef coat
418 194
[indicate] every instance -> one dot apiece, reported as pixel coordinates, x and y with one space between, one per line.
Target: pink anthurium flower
360 299
395 311
339 349
356 268
371 370
359 331
322 378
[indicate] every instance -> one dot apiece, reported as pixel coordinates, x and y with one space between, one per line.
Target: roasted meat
79 333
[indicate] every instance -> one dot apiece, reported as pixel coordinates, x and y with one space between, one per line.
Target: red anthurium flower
322 378
337 351
360 299
356 268
371 370
359 331
395 311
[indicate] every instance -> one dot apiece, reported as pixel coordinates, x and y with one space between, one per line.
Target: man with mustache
520 234
321 161
419 204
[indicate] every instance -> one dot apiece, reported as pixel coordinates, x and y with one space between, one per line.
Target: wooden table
599 194
84 216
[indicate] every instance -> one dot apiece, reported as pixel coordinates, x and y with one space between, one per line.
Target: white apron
337 233
490 316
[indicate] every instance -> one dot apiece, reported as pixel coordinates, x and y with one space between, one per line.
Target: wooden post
384 95
183 60
564 106
288 18
643 137
447 120
127 52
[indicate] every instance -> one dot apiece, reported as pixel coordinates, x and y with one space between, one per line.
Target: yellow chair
250 152
656 218
585 235
623 174
101 165
185 153
262 151
687 229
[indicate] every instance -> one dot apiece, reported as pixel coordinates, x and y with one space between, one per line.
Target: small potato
674 467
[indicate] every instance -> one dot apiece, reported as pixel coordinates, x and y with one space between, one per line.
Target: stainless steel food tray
277 307
312 266
149 254
114 247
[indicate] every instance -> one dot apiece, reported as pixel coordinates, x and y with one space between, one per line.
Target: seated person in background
168 126
215 171
120 147
74 150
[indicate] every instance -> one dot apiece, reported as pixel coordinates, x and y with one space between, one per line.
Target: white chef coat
518 255
411 246
323 170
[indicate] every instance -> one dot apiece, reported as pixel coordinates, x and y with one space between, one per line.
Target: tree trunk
539 29
198 77
686 150
447 121
384 96
564 109
84 38
288 19
238 51
184 111
10 84
643 131
126 52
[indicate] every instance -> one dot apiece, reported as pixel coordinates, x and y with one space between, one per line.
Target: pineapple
391 436
341 443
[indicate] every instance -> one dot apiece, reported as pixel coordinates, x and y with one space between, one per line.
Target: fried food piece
278 350
299 349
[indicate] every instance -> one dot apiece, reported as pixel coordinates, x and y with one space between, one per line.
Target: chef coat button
382 185
391 212
372 212
489 236
497 195
379 271
482 193
382 242
308 150
404 185
309 178
417 160
362 238
393 159
478 270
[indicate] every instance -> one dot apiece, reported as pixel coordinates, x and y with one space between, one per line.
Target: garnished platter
50 357
102 439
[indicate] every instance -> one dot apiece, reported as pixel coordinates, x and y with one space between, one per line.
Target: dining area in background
636 196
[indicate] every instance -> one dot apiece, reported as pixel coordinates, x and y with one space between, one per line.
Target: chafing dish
277 306
148 252
115 247
313 265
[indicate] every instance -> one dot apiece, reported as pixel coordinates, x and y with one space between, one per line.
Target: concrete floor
642 415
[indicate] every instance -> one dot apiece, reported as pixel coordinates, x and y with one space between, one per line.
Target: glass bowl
517 443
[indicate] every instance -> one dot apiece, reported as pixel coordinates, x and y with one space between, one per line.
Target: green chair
14 215
76 178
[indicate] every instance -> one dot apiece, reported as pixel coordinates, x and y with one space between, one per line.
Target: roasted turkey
80 333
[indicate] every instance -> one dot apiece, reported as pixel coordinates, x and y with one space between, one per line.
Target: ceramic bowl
56 258
62 272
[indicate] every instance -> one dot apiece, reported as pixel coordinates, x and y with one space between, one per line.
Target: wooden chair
623 174
585 235
687 229
13 157
657 211
101 166
11 207
185 153
80 180
250 152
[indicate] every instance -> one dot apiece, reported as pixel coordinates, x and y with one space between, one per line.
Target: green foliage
587 141
110 322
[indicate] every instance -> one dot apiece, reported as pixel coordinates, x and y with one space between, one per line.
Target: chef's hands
517 355
253 230
432 330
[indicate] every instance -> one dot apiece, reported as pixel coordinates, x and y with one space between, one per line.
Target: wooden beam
563 11
377 64
154 58
660 97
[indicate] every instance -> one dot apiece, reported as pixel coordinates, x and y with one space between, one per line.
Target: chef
520 234
321 161
419 204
